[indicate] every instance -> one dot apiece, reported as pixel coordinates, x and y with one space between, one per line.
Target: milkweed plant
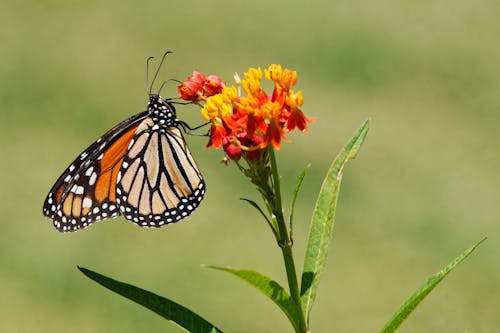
250 125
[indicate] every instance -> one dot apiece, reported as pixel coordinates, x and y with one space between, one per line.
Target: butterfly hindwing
85 192
159 182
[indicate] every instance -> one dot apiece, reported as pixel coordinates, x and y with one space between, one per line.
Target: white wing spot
92 179
87 202
89 171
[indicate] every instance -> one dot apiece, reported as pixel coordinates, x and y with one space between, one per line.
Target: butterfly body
141 169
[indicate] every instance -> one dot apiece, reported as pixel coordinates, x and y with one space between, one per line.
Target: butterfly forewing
159 182
86 191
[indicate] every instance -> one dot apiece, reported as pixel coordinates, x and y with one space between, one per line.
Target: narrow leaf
176 313
271 289
321 228
417 297
256 206
295 193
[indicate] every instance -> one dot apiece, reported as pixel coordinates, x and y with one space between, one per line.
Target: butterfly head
161 110
155 98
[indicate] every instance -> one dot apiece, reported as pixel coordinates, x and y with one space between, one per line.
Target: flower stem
284 241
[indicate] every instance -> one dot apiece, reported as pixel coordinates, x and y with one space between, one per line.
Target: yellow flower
283 78
274 73
294 100
249 104
288 79
220 105
229 94
270 110
251 83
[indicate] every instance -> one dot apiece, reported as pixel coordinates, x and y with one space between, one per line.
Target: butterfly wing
159 182
86 191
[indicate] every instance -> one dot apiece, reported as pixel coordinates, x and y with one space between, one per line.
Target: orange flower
217 136
188 90
244 125
212 85
199 87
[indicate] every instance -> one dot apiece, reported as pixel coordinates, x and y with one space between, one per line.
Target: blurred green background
425 186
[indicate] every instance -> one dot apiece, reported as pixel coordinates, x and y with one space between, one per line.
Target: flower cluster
247 124
199 87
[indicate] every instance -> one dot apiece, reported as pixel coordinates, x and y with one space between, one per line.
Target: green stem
285 241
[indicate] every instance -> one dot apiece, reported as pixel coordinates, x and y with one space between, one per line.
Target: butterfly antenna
147 73
158 70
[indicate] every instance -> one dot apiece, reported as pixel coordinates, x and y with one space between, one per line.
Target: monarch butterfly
141 169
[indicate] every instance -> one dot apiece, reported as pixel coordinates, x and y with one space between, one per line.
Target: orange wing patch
59 192
110 164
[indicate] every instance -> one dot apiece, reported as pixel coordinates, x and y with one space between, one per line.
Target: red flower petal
233 151
198 77
187 93
211 88
299 120
217 136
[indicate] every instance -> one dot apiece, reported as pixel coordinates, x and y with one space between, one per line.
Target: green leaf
322 222
271 289
178 314
269 223
417 297
295 193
